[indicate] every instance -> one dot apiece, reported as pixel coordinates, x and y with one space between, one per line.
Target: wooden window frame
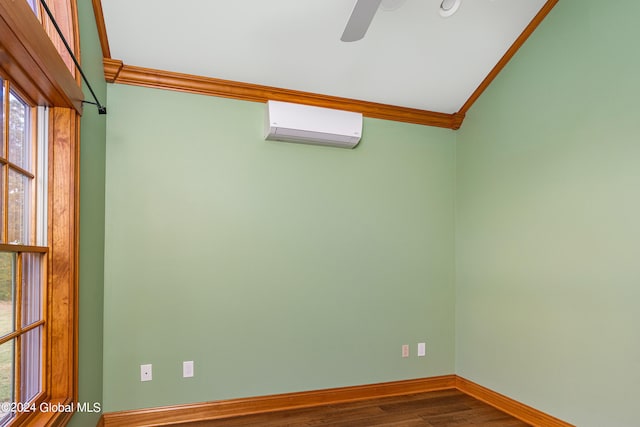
20 330
31 59
32 62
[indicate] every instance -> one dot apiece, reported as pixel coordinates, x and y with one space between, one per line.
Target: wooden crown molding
169 415
101 27
112 68
117 72
544 11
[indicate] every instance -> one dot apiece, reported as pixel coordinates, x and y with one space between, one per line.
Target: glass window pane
31 288
19 197
33 4
7 378
19 132
30 356
7 293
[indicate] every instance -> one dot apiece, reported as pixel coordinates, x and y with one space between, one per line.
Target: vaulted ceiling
411 57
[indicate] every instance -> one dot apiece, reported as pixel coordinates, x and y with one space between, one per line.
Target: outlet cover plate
405 350
146 373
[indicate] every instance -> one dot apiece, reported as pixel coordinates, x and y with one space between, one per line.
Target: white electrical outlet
187 369
422 349
405 350
145 373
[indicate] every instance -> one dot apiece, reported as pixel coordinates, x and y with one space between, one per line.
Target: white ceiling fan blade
360 19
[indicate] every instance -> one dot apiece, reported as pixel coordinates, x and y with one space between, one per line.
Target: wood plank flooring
447 408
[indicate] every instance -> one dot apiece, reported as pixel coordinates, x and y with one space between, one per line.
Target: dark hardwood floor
450 408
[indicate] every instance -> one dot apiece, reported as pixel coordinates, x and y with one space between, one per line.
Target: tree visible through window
22 264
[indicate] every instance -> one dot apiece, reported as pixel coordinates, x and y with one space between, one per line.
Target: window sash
22 366
23 362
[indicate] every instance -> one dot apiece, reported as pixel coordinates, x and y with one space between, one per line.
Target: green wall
276 267
92 178
281 267
548 221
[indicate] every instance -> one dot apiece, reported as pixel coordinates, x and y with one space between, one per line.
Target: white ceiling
410 57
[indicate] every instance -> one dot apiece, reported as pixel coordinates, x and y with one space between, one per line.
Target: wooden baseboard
512 407
168 415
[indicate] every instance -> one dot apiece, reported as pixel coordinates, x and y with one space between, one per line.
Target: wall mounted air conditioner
312 125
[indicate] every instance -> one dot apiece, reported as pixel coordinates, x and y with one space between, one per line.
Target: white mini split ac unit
312 125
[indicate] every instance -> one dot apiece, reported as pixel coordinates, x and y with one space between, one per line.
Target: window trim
59 354
33 64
